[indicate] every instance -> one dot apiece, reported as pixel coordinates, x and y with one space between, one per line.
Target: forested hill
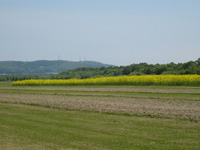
88 69
44 66
191 67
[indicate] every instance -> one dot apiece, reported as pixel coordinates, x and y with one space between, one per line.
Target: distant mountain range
44 66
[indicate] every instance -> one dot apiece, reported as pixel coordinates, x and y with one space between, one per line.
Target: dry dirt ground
183 109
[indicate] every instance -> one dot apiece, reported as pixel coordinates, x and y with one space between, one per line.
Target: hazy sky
119 32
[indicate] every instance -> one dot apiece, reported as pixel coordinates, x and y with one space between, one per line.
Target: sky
117 32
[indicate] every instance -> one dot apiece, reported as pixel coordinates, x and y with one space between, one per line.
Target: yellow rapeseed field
192 80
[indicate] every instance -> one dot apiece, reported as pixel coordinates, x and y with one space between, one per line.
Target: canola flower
171 80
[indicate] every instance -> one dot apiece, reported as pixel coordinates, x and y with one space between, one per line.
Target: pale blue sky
119 32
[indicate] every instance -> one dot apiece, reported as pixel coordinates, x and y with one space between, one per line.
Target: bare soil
137 106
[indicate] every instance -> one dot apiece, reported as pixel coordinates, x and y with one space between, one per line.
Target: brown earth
137 106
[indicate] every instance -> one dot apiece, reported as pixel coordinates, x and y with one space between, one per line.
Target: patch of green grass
5 84
31 127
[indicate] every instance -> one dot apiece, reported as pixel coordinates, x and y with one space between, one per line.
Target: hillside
88 69
43 66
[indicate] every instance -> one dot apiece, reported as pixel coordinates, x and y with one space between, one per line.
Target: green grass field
101 117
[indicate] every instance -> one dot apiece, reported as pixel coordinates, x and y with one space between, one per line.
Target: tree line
191 67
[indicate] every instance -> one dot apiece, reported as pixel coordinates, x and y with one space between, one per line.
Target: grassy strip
168 96
34 128
5 84
94 111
